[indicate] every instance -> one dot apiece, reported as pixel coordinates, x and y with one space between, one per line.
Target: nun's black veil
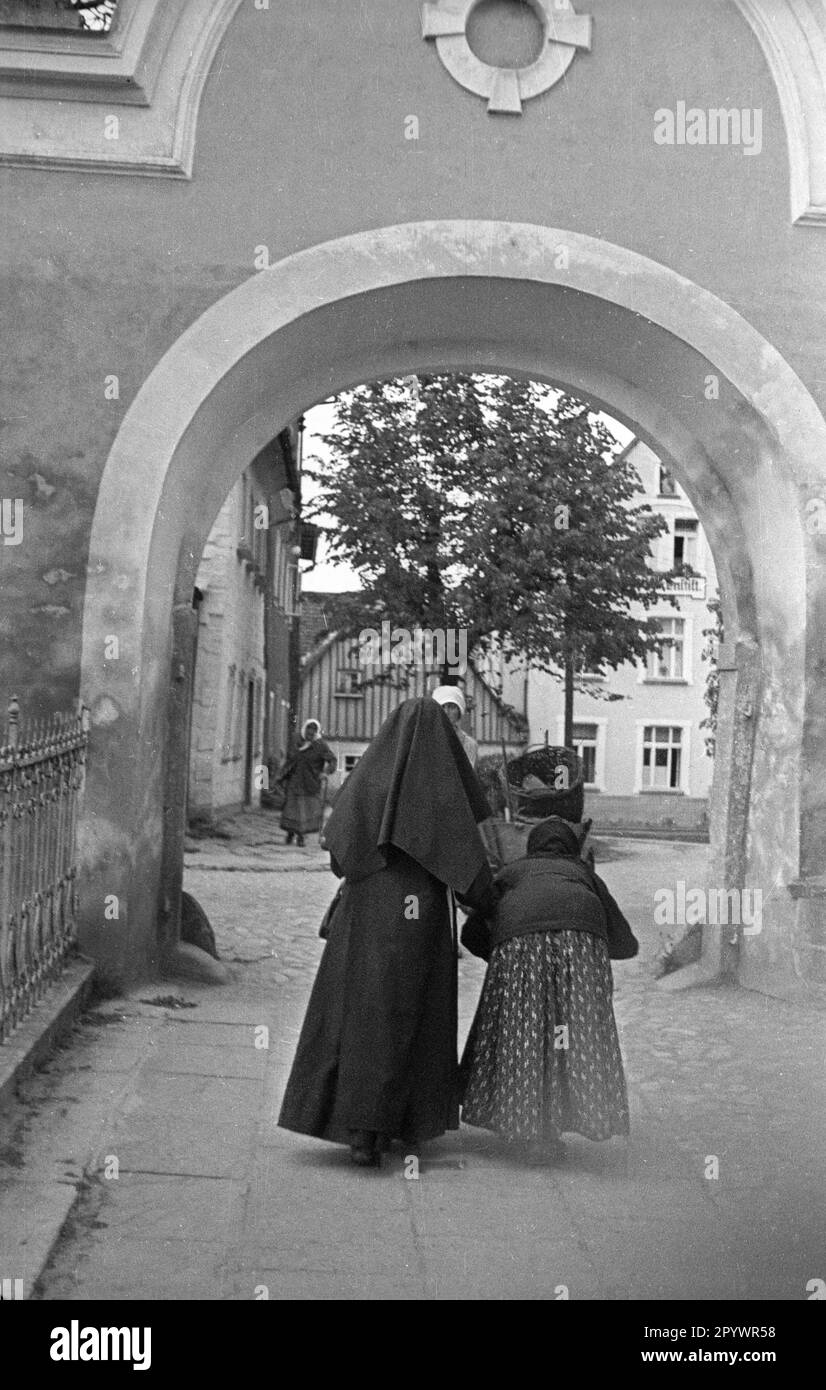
413 790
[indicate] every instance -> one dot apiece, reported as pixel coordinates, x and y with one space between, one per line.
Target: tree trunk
568 735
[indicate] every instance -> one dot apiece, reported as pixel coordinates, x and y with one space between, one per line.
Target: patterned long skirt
543 1057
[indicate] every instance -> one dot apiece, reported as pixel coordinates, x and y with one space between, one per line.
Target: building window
259 536
666 663
61 16
243 511
228 714
668 487
239 715
348 682
661 757
247 517
258 746
585 742
350 760
284 579
277 558
685 542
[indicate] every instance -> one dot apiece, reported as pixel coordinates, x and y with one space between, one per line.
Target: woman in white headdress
303 810
452 701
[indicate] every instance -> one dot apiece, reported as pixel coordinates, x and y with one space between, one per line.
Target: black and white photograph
413 664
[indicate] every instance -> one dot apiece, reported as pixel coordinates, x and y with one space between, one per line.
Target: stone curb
37 1035
671 836
29 1246
246 866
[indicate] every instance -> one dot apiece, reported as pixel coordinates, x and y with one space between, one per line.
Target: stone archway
739 428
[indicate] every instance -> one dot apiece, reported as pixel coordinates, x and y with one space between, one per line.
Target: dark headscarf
557 836
413 790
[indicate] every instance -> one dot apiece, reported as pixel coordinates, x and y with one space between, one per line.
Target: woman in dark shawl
377 1059
543 1055
303 810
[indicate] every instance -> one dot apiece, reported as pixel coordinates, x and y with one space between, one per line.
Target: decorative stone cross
506 88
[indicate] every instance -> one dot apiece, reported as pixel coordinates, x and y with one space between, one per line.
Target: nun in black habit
377 1055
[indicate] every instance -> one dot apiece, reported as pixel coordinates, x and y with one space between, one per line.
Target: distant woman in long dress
303 809
377 1055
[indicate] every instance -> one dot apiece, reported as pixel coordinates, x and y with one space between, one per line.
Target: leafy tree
483 504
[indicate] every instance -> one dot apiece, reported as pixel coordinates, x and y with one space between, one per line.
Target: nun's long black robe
377 1050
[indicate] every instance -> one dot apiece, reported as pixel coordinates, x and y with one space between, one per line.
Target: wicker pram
559 769
507 840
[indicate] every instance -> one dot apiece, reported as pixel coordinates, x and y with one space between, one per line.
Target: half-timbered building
352 700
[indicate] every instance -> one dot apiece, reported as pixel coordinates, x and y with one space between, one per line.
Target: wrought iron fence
42 767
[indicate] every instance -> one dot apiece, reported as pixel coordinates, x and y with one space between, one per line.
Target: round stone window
505 33
506 50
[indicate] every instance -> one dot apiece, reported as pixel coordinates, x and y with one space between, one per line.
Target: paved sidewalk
253 842
212 1201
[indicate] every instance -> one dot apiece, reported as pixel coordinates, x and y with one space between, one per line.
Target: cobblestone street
213 1201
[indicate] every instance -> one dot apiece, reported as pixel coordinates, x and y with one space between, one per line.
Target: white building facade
645 756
